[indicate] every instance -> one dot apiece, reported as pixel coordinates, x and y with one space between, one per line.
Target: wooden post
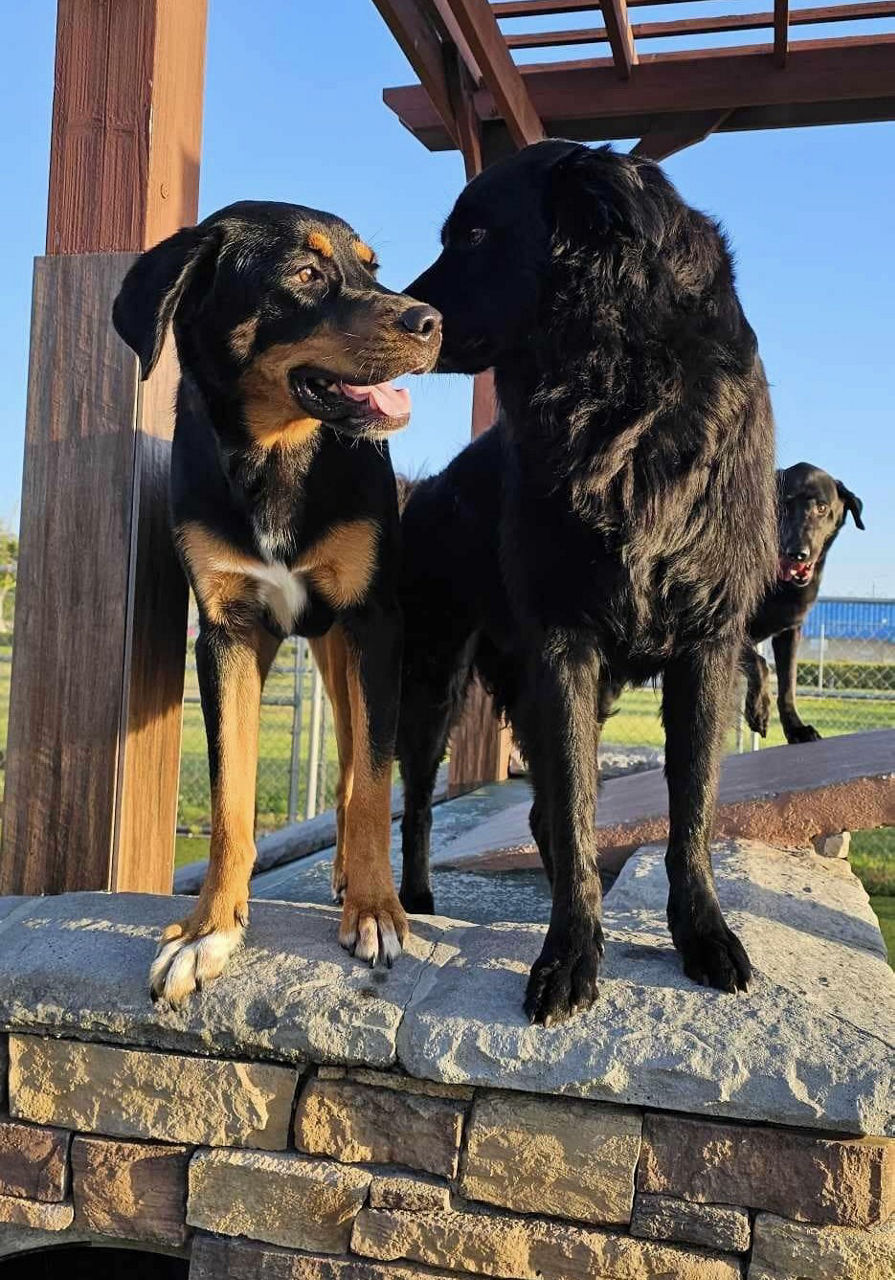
97 678
480 743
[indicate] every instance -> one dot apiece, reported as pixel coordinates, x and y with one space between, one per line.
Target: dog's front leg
557 717
232 666
374 925
786 652
696 697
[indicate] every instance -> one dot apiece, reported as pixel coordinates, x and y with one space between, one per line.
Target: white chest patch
283 592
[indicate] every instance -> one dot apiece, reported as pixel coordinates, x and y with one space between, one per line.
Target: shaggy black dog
616 524
812 507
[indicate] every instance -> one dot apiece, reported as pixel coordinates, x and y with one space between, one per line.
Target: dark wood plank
499 72
548 8
618 32
781 31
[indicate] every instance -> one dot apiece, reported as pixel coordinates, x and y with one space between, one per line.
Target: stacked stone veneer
670 1134
265 1171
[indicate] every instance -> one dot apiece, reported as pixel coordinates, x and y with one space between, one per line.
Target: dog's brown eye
307 274
822 508
476 235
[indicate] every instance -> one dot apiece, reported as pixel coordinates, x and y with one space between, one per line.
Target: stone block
415 1194
784 1250
130 1190
33 1161
76 965
391 1080
553 1156
282 1199
823 997
353 1122
492 1244
133 1093
836 846
215 1257
42 1215
843 1181
714 1226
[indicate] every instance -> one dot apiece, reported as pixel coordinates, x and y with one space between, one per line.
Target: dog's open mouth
372 408
799 572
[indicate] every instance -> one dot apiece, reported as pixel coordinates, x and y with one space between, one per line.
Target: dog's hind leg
555 715
366 645
232 666
432 694
331 657
696 700
786 649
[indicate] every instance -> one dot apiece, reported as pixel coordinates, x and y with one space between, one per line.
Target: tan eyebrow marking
320 242
364 252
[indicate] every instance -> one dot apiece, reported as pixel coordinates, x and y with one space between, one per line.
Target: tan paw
190 955
339 881
374 931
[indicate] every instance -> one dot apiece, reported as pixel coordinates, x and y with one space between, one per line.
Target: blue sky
293 111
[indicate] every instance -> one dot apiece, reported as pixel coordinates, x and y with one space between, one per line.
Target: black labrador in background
812 508
616 523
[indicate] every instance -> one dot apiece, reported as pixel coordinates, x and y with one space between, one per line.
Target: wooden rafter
420 43
826 81
781 31
549 8
499 73
618 32
665 142
706 26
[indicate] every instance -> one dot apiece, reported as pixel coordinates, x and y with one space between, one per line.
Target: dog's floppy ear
596 190
154 286
851 502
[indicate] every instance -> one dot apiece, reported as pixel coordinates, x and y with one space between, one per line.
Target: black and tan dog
285 516
811 509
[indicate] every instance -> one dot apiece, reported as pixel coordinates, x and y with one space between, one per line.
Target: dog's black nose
422 321
799 554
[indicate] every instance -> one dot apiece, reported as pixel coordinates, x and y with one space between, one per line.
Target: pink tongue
390 401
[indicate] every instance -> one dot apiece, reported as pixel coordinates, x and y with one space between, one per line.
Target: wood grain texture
127 121
480 745
98 658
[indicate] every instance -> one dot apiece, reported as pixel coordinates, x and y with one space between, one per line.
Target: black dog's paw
563 979
713 955
801 733
417 902
757 713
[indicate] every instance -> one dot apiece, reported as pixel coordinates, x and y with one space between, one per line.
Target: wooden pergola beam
424 50
618 32
664 143
549 8
781 31
705 26
826 81
100 637
500 74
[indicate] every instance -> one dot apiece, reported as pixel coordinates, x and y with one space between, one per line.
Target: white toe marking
181 966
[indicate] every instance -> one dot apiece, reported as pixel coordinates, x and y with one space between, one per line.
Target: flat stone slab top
811 1044
785 796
